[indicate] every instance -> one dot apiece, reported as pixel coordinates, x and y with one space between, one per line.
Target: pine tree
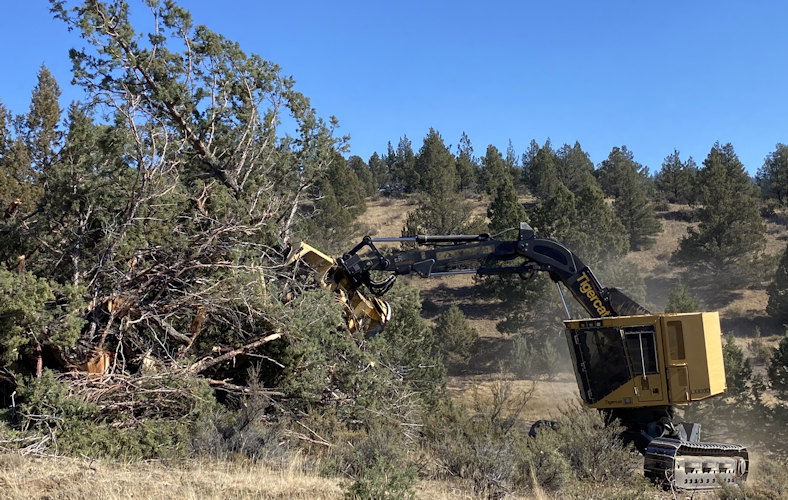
681 300
505 212
557 217
467 169
441 213
730 228
676 179
773 175
634 208
778 291
436 165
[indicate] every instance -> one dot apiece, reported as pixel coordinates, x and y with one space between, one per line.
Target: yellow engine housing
650 360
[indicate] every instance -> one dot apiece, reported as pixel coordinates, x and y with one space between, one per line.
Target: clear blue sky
651 75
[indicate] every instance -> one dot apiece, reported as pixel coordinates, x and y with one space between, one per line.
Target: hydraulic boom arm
483 255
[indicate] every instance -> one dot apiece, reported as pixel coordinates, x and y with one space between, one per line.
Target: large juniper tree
730 228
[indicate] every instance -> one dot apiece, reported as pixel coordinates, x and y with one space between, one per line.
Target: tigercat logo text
588 290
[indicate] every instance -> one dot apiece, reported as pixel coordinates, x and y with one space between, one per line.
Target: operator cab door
642 357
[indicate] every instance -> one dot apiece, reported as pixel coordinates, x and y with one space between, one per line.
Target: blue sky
652 75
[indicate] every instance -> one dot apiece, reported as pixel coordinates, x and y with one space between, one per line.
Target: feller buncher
633 365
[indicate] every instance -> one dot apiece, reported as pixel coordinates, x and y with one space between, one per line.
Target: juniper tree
515 172
404 176
681 300
773 175
676 179
574 167
379 171
364 174
455 336
543 173
467 169
730 228
777 306
612 172
493 169
41 122
505 212
188 196
634 208
436 165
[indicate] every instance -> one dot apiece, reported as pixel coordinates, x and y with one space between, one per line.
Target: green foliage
634 208
676 179
36 311
681 300
543 173
505 212
772 177
778 368
493 170
575 168
380 468
615 171
364 174
730 228
467 168
441 213
80 428
455 336
738 372
436 166
404 178
777 306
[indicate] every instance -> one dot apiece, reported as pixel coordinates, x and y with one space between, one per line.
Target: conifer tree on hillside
511 160
543 173
681 300
379 169
777 306
493 169
612 171
527 164
773 175
404 176
574 167
436 166
730 228
364 174
676 179
467 169
634 208
505 212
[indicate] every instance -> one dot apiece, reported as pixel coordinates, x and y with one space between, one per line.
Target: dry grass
64 478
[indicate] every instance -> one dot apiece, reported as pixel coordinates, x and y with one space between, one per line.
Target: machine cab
648 360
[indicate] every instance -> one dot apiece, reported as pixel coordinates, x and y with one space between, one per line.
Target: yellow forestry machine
631 364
